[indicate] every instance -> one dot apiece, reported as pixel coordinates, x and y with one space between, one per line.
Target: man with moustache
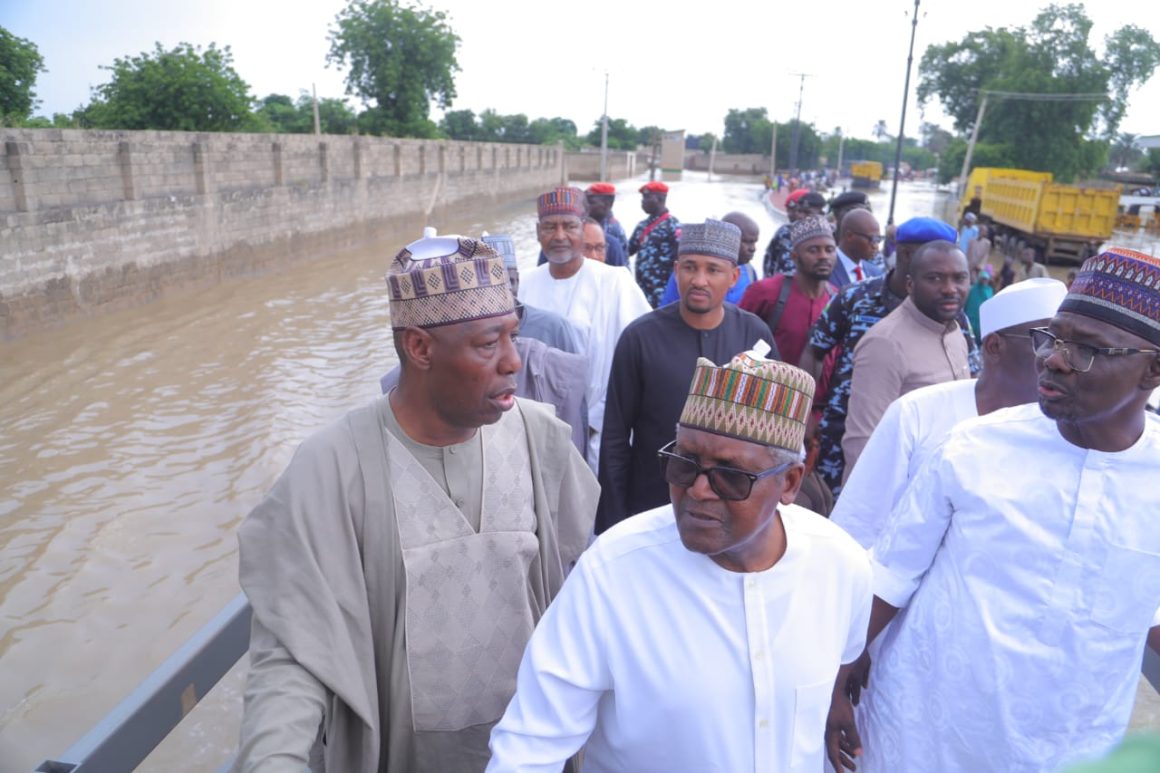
704 634
654 242
849 315
599 300
1022 566
790 304
916 424
801 203
745 273
916 345
398 566
656 352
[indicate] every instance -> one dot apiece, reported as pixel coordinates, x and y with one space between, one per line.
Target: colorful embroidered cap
656 186
751 398
602 189
713 238
1120 287
442 280
1027 301
807 228
562 201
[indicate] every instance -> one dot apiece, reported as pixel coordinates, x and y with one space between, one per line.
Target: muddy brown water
132 445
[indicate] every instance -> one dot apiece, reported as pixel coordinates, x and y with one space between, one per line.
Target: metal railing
128 734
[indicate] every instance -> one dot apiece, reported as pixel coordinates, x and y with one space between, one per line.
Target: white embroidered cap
1027 301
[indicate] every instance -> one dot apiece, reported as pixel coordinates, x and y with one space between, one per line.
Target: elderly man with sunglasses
704 634
1023 563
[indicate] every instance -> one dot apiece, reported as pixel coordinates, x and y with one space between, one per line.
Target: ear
417 346
909 284
736 275
1151 380
993 345
793 482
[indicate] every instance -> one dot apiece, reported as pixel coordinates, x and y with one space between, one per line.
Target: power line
1044 97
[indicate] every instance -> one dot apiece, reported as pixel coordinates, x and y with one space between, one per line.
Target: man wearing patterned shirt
845 320
778 258
654 242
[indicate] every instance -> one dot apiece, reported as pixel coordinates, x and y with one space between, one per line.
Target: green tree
20 63
621 135
185 89
400 58
1124 151
460 125
281 115
1052 55
749 131
1151 163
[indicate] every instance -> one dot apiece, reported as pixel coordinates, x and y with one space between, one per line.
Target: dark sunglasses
728 483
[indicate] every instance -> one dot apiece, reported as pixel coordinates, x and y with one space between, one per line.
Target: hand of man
843 743
858 677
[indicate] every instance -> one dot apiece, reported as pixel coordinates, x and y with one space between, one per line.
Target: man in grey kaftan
399 565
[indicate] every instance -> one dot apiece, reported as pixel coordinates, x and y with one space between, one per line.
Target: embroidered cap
442 280
1120 287
807 228
1027 301
714 238
751 398
561 201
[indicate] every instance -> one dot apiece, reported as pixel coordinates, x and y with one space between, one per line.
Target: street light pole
604 135
902 121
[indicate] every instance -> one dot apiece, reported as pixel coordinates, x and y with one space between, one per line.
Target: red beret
796 195
602 189
654 186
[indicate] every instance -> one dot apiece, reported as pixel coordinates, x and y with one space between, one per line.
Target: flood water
132 445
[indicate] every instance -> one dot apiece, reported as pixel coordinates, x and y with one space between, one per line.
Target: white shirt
912 428
661 660
599 300
1030 573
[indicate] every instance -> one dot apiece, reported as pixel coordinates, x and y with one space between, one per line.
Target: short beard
560 261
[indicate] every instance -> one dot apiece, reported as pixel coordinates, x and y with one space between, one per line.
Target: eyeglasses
598 248
874 239
1079 357
728 483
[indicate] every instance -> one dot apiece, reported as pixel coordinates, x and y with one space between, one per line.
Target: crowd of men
637 509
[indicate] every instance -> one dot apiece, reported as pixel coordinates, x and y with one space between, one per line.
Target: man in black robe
654 362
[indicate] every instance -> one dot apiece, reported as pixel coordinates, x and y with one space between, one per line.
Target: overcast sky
666 68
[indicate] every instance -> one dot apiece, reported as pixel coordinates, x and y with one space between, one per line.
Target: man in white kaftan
704 634
916 424
399 565
1025 559
599 300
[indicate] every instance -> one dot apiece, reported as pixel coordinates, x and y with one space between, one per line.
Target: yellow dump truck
1066 222
866 174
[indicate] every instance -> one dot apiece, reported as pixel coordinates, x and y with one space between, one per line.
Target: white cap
1028 301
433 246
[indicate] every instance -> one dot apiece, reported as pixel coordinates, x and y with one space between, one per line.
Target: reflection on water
133 444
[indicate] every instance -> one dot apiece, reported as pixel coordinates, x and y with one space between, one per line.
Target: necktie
857 273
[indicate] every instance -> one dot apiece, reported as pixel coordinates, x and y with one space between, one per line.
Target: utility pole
902 121
317 123
797 121
773 151
604 134
841 147
971 144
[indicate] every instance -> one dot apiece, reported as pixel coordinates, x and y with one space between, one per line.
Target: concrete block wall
586 166
93 221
